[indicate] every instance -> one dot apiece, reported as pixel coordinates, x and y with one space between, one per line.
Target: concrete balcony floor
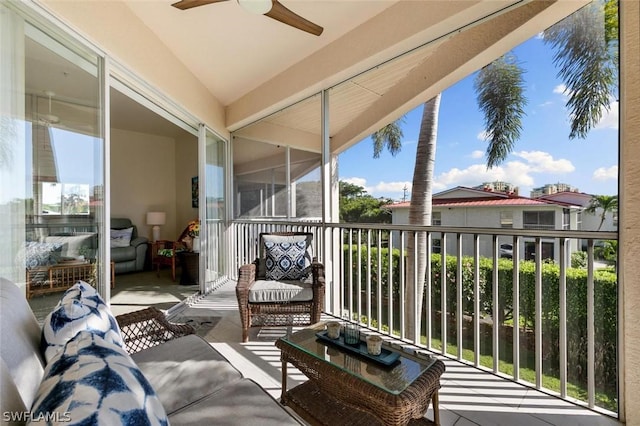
468 396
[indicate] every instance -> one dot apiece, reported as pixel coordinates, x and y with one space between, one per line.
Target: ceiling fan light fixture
49 118
257 7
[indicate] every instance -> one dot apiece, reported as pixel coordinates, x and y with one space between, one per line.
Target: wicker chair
287 307
147 328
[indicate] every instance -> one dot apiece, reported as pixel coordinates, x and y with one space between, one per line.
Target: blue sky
544 154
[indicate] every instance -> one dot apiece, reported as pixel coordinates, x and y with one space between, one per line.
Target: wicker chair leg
436 408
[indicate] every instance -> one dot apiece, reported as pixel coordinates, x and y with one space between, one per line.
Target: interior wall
186 161
143 174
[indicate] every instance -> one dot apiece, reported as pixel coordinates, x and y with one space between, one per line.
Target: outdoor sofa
83 365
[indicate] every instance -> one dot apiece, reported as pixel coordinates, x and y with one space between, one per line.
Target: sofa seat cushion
95 382
80 308
242 403
272 291
123 254
185 370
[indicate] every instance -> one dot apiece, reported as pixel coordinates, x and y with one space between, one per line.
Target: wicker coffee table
347 389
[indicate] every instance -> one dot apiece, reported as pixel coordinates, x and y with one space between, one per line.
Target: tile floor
468 396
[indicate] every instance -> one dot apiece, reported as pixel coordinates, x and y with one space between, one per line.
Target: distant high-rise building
497 186
552 188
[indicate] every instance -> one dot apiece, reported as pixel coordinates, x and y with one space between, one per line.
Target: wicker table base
346 390
319 409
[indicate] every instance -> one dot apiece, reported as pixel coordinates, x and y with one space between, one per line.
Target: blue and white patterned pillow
94 382
40 254
81 308
286 257
82 290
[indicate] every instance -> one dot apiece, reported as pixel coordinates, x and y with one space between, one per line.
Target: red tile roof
480 202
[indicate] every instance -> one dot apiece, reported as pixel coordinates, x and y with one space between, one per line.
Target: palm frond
586 66
500 96
390 137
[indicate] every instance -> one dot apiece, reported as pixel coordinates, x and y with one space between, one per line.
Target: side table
190 263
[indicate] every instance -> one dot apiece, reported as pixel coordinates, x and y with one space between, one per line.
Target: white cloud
606 173
385 187
483 135
477 154
514 172
545 104
518 172
541 162
356 181
560 89
609 119
381 188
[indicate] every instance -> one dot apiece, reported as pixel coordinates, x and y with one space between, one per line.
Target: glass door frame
206 284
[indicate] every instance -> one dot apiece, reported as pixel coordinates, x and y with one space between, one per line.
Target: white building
587 221
475 208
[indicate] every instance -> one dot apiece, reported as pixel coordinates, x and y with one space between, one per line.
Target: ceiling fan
271 8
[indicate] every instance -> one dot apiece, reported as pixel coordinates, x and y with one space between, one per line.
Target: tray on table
385 358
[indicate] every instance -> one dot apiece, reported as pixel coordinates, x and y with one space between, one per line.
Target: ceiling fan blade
188 4
284 15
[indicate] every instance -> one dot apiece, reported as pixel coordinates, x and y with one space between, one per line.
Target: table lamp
156 219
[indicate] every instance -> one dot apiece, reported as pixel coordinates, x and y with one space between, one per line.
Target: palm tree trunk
420 214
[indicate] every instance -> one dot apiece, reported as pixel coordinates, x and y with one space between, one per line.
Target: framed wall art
194 192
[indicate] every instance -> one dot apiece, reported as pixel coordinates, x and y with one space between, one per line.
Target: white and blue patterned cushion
81 308
94 382
37 254
286 257
82 290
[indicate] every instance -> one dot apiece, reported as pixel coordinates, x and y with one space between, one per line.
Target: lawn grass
552 383
505 366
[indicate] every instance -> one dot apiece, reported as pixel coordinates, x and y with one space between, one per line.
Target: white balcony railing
555 326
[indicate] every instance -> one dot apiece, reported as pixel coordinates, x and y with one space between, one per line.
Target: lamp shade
156 218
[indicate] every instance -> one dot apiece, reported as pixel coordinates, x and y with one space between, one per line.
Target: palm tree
587 64
607 203
390 136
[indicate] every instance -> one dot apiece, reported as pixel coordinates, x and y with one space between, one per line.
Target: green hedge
605 304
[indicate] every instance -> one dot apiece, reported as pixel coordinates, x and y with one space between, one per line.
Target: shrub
605 303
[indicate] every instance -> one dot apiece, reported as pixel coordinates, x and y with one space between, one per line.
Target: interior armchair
128 249
285 286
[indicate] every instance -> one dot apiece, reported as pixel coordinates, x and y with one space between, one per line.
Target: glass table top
393 379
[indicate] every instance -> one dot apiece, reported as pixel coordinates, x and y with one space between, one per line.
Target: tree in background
586 55
603 204
356 206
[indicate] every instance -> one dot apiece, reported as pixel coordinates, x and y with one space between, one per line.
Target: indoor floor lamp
156 219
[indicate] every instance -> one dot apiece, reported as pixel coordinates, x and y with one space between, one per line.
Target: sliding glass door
213 200
51 155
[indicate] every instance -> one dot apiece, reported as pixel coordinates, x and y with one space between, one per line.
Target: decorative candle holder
351 334
374 345
333 329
